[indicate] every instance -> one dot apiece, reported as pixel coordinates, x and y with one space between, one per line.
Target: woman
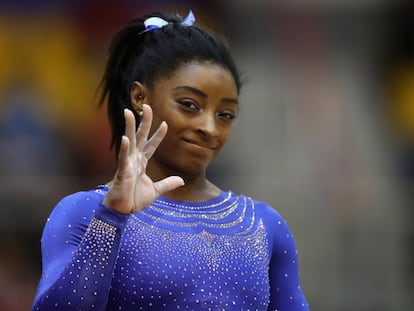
160 236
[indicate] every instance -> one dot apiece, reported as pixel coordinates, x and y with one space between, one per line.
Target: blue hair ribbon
189 20
155 22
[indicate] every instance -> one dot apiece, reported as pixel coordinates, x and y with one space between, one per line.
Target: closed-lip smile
200 144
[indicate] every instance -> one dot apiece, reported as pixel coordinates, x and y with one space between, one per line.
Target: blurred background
325 133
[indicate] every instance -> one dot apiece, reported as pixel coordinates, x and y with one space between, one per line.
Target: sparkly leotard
229 253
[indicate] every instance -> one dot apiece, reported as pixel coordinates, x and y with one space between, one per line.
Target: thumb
168 184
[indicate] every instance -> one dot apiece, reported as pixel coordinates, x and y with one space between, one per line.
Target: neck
197 187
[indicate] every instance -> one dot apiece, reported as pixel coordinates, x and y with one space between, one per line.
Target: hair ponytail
145 56
116 82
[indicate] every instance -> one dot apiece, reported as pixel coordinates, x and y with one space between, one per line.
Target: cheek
157 118
226 133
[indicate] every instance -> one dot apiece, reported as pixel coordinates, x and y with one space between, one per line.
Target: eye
188 105
230 116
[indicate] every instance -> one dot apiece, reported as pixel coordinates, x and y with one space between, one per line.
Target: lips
201 144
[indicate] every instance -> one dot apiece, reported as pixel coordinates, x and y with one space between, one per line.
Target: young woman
160 236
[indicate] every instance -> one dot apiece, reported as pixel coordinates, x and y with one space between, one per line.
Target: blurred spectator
28 142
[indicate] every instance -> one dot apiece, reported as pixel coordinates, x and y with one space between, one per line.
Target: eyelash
189 105
228 116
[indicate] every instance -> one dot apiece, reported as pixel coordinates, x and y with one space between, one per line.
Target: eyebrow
202 94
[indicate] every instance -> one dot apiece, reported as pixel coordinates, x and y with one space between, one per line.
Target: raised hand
132 189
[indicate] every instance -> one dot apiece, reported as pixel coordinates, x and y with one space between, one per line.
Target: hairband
154 22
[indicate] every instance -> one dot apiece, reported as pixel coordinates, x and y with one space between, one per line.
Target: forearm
84 281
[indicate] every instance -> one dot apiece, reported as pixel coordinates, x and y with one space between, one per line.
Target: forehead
202 75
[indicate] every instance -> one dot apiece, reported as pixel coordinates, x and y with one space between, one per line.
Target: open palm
132 189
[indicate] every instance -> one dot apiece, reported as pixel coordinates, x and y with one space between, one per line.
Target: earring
141 112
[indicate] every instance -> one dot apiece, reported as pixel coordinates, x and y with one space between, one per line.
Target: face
199 103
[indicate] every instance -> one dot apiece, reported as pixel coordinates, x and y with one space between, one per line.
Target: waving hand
132 189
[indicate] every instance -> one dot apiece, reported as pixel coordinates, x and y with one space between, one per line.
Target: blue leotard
229 253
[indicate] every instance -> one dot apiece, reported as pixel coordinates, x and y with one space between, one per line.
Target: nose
207 125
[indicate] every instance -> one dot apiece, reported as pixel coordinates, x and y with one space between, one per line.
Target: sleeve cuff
111 217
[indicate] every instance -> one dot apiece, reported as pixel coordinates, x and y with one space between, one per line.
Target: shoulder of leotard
263 208
96 193
83 201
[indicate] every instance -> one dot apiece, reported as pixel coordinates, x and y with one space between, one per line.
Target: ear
138 91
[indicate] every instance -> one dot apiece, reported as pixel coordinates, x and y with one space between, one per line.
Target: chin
182 164
190 167
193 169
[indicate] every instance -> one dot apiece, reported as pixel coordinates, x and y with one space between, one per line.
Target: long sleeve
229 252
80 244
285 291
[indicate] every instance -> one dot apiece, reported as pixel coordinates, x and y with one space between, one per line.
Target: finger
155 140
168 184
130 127
123 156
144 127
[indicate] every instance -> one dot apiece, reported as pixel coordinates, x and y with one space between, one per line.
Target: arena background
325 133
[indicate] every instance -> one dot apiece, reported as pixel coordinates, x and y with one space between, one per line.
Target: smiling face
199 102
